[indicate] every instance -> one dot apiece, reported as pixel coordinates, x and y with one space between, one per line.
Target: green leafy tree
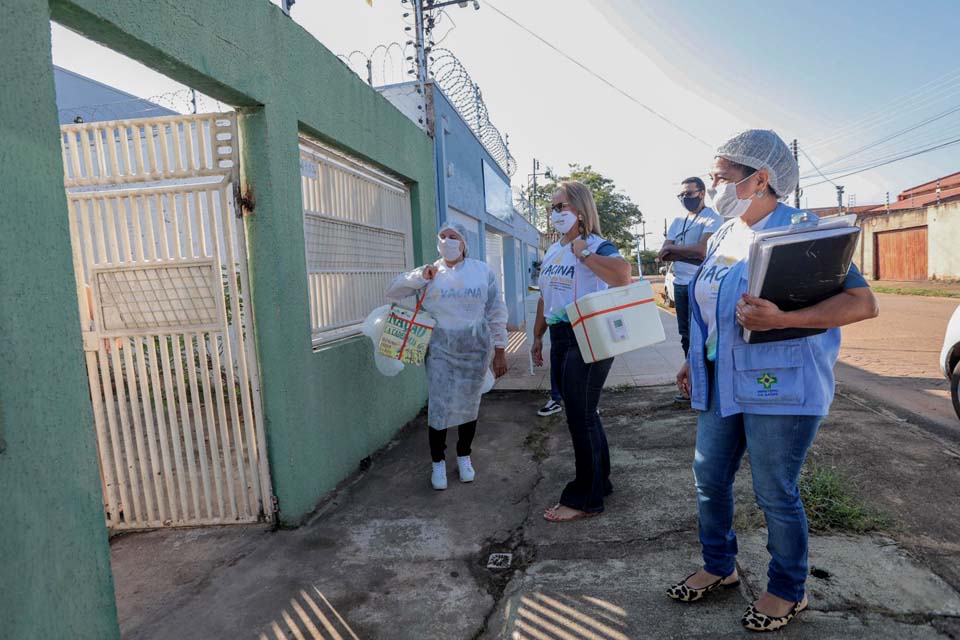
648 262
617 212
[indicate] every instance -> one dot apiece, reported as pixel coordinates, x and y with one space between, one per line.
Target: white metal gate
159 254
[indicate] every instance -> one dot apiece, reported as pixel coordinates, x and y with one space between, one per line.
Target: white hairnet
459 228
763 149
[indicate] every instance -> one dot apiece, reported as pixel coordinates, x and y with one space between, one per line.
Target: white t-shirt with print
728 246
557 274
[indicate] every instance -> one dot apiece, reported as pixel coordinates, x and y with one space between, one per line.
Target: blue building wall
460 158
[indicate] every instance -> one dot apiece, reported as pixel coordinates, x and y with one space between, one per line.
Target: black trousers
681 295
438 440
581 384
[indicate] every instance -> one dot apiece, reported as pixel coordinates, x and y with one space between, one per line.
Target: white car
668 295
950 358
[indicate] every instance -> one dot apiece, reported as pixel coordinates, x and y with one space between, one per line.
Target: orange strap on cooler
413 321
600 313
582 317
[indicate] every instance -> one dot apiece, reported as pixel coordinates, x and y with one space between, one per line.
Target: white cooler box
618 320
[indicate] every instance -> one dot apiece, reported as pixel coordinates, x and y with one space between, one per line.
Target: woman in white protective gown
463 295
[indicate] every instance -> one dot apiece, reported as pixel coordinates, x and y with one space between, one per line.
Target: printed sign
406 338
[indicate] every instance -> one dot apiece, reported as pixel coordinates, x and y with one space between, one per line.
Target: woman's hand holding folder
757 314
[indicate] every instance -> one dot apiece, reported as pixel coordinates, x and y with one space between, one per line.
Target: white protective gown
471 320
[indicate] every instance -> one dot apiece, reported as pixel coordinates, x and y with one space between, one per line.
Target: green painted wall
324 410
55 577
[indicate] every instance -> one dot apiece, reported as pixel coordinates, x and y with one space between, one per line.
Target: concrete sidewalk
651 366
389 558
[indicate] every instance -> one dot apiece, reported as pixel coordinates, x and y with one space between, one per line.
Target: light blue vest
789 377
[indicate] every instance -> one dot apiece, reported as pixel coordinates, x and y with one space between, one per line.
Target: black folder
799 270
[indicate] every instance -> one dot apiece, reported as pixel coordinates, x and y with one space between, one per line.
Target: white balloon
372 327
387 366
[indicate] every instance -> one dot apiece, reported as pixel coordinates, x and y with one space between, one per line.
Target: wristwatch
585 253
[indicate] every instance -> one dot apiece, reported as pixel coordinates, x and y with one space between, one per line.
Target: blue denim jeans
777 446
580 385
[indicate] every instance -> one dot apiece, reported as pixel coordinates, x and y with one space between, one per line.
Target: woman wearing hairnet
463 296
766 399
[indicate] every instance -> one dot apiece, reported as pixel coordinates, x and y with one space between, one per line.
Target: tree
617 212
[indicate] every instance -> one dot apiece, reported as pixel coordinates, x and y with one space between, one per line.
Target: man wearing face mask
463 296
686 247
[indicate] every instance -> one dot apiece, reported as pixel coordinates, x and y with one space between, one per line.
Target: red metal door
901 254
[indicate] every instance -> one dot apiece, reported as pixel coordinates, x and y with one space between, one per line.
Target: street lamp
459 3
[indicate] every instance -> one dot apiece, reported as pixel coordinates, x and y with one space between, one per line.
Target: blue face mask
692 204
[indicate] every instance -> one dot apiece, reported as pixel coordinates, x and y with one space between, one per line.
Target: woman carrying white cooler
464 298
581 262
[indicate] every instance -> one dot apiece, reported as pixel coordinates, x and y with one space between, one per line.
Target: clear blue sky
803 68
817 66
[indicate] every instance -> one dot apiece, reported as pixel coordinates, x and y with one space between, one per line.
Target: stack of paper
799 266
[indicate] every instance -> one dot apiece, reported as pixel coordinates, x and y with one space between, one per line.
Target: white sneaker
467 474
550 408
439 477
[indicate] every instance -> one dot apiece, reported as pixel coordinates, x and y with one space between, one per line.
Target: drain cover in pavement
499 560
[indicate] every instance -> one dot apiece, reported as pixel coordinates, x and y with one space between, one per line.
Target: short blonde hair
580 199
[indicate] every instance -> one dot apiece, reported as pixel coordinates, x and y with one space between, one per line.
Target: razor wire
393 64
467 98
180 102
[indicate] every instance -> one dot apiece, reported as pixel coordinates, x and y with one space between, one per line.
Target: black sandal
684 593
753 620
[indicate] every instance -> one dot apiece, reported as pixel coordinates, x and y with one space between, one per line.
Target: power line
938 89
879 143
932 138
896 134
601 78
891 161
885 152
895 154
816 167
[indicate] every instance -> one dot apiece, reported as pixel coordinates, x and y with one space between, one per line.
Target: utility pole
533 194
643 222
888 202
193 99
840 199
423 23
421 57
796 157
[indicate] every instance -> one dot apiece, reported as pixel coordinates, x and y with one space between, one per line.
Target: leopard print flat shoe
685 593
753 620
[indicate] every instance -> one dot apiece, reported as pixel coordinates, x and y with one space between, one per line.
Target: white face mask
726 202
563 221
449 249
